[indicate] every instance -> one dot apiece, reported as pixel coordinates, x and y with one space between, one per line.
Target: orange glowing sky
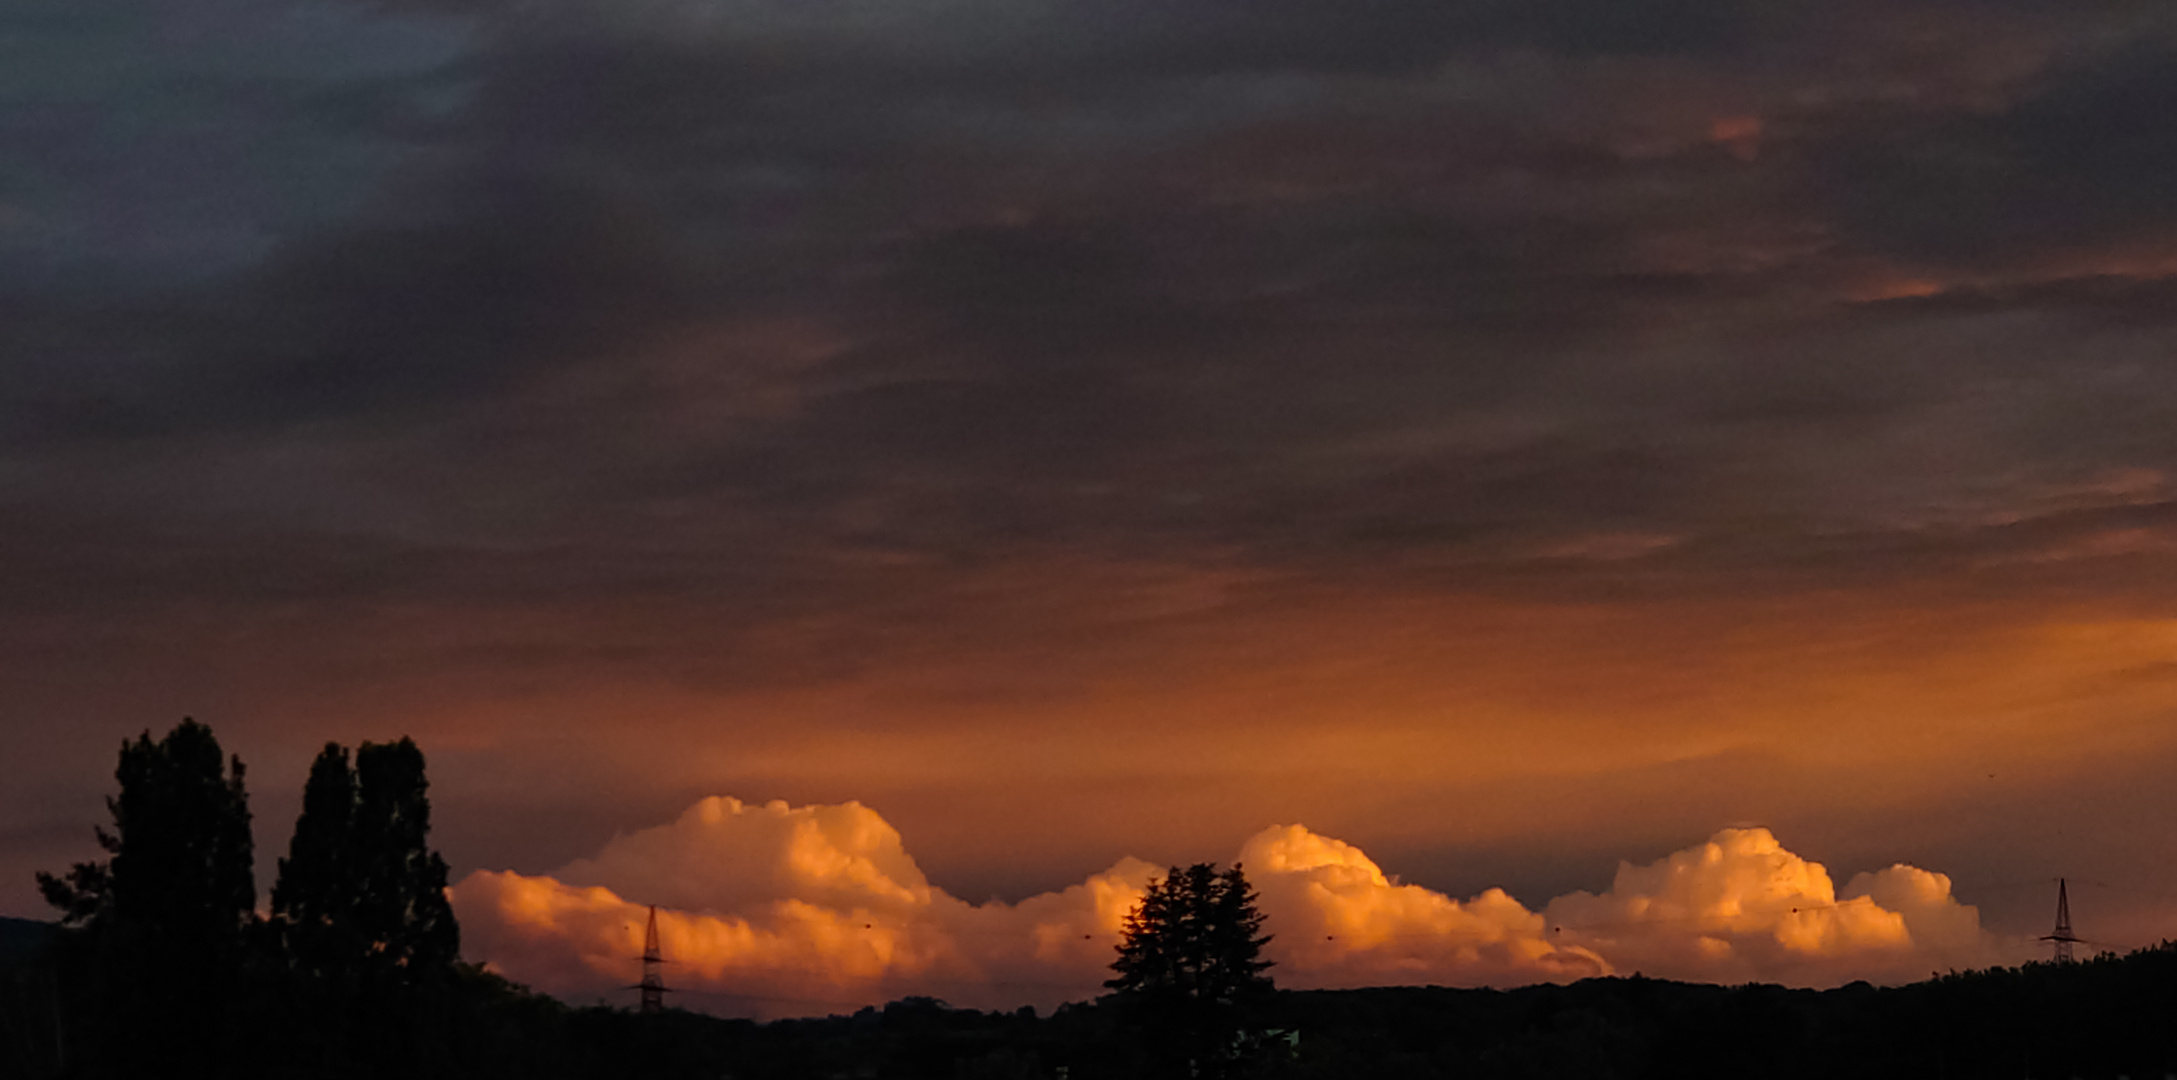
1670 464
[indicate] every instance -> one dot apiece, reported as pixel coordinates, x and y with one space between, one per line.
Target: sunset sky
922 465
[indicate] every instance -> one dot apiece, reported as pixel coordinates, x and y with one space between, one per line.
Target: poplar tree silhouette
401 908
312 902
360 887
1190 968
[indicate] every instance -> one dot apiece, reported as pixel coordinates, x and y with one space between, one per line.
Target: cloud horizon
773 911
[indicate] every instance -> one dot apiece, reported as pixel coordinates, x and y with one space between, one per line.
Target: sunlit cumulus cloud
777 910
1340 921
1741 908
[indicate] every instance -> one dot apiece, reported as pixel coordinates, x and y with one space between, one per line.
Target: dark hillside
2096 1020
20 939
2102 1018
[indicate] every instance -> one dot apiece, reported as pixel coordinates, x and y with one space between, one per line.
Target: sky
1686 486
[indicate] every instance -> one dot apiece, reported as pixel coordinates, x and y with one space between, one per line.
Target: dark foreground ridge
2101 1018
20 939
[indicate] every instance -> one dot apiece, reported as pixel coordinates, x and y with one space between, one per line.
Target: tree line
166 966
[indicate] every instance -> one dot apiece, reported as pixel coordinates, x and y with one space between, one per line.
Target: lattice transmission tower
2062 938
653 985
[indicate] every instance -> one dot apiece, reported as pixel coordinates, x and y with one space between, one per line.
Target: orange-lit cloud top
1742 908
778 910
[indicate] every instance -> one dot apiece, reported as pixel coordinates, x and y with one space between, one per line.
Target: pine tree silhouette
1190 970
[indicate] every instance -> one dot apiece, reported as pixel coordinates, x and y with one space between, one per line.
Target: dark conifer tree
1195 934
1190 969
1234 967
1150 943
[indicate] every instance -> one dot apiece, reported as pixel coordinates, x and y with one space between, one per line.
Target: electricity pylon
2063 938
653 985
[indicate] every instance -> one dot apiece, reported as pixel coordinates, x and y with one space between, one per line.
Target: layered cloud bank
774 910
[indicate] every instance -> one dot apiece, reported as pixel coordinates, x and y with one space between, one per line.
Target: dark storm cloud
1472 282
1383 36
2101 299
150 142
384 317
2086 157
1070 39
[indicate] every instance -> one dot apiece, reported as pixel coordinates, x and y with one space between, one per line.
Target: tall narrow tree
361 887
314 899
401 907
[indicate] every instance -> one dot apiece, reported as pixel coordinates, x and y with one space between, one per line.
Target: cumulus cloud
781 910
1743 908
777 910
1342 922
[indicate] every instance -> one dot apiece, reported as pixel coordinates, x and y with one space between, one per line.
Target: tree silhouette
165 922
181 847
313 900
1190 968
401 907
1195 934
360 886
